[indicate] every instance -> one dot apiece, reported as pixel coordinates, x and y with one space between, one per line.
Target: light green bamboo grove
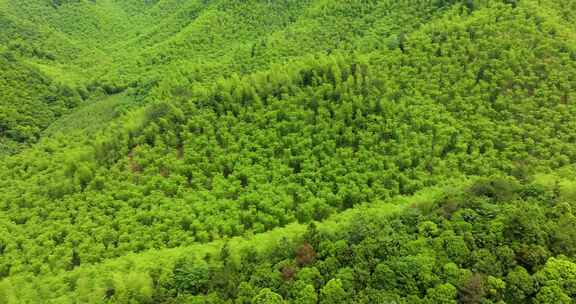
287 151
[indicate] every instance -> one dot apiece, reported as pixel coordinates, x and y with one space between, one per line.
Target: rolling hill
314 151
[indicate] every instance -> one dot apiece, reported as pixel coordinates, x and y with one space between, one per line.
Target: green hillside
153 151
492 239
30 101
106 47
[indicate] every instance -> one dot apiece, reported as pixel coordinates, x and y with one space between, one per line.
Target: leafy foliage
167 135
372 254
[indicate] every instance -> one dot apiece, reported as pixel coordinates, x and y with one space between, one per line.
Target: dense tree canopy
456 244
228 119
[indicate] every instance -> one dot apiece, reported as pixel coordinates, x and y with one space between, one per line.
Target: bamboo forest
288 151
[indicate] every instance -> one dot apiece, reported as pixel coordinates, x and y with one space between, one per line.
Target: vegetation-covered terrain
309 151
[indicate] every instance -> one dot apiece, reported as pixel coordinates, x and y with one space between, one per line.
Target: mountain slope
300 143
30 102
239 117
433 247
106 47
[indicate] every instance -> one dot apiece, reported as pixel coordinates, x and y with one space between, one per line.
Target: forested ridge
413 151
